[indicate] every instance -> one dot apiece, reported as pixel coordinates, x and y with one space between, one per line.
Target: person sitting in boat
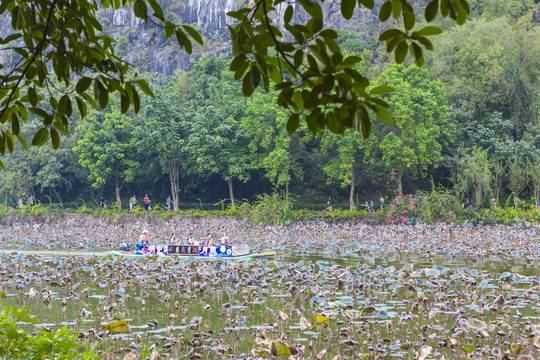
144 237
224 240
173 240
206 243
192 240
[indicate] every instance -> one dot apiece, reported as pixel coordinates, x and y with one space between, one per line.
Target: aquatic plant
338 290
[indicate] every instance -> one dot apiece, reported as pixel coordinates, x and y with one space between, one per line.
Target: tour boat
213 251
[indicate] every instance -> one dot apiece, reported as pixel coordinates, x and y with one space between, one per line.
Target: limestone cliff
145 46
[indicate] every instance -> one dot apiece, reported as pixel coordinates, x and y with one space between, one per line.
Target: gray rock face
208 15
147 47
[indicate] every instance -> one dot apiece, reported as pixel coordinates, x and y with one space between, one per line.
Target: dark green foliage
479 89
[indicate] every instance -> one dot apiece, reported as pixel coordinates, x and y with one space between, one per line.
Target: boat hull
220 251
261 254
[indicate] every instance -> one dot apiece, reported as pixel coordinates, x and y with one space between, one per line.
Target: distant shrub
269 209
439 206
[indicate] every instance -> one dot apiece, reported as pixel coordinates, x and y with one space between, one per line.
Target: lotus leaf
321 319
116 327
279 348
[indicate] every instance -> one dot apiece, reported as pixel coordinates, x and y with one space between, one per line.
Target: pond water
350 296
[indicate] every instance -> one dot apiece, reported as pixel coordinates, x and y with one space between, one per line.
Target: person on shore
168 203
101 203
132 202
173 240
328 204
146 201
367 205
32 200
382 202
494 204
372 206
21 203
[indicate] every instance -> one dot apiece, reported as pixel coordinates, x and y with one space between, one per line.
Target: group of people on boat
209 240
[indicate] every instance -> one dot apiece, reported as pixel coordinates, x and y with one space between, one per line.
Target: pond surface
353 293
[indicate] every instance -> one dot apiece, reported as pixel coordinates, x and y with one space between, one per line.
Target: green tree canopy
63 40
273 148
163 133
416 139
108 150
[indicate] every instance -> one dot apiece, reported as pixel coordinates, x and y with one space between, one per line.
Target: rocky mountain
146 46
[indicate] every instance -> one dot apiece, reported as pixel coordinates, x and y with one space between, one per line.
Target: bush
439 206
268 209
402 208
16 343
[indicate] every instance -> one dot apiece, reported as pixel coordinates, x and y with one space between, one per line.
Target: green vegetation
468 121
17 343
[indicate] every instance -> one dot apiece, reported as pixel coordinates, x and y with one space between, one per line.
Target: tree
534 178
217 146
163 134
346 152
272 147
500 173
493 66
63 39
420 129
517 177
108 151
321 76
473 176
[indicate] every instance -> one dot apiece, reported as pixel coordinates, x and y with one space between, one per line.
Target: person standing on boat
144 237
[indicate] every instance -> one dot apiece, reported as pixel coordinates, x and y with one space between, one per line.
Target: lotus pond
333 292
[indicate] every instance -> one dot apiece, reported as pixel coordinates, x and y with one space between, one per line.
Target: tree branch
32 60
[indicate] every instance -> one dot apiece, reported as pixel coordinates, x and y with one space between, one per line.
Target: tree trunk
400 186
174 177
351 194
117 189
231 192
287 191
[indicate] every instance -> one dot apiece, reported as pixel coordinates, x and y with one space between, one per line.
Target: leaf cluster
63 40
314 78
